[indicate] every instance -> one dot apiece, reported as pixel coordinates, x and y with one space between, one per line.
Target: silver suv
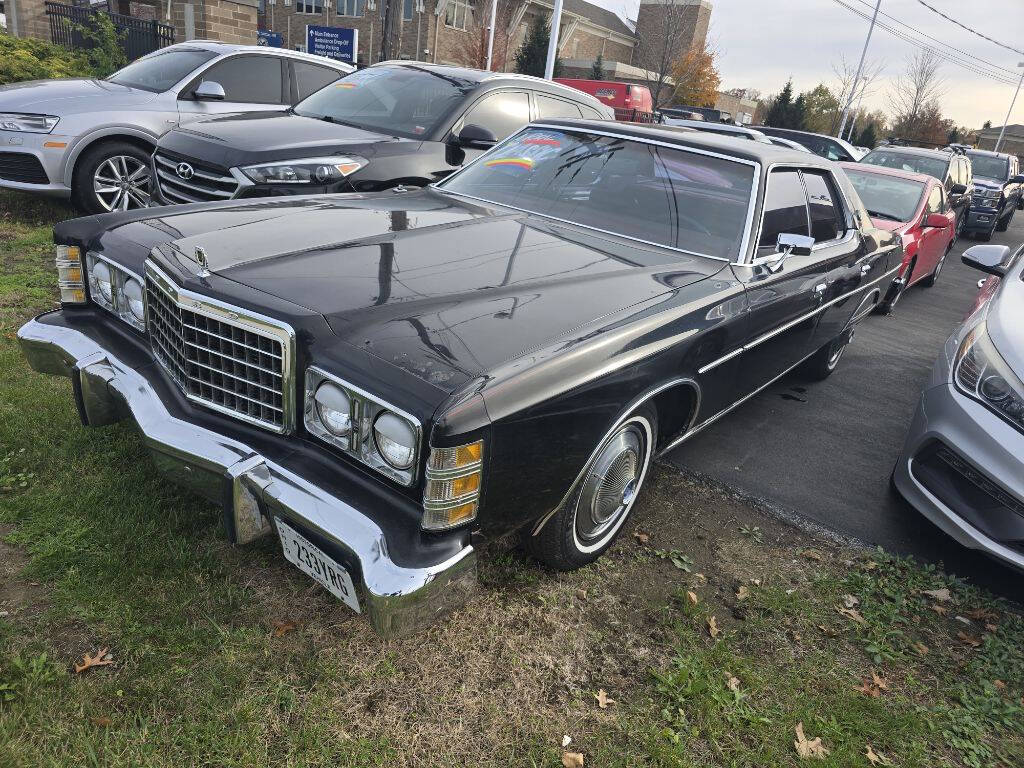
91 139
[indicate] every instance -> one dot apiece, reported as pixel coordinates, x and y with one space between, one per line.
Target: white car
91 139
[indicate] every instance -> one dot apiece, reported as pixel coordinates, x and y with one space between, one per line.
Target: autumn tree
661 38
850 90
473 44
533 53
915 95
820 109
697 78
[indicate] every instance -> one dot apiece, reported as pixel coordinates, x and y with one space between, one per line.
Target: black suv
391 124
950 166
998 192
818 143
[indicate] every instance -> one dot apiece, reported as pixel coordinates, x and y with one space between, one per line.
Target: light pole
490 36
1002 131
556 25
860 69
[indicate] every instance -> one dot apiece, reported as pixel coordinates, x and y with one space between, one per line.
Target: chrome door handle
820 288
865 269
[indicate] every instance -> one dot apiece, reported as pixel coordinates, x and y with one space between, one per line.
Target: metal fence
137 36
634 116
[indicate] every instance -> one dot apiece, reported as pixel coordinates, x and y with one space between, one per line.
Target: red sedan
914 205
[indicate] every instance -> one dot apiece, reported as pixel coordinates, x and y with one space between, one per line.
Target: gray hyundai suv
90 139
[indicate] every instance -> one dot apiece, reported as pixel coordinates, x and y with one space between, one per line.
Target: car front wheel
584 527
825 361
113 176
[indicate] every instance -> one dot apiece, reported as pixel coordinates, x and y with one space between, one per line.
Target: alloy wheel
121 183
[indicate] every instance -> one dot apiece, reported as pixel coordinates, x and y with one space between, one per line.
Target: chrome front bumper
397 599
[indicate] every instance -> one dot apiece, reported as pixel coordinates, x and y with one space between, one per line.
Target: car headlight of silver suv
309 170
15 121
116 289
981 373
362 425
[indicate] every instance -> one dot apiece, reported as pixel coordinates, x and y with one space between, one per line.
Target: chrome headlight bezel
361 443
119 303
305 170
981 373
26 122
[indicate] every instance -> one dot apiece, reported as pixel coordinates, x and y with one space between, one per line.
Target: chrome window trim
313 378
751 204
113 310
222 311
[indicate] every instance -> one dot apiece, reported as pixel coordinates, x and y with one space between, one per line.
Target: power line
969 65
983 36
941 42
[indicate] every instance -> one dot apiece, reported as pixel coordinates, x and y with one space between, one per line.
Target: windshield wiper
882 215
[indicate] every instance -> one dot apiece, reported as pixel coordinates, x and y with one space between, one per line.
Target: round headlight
395 439
995 388
101 276
133 295
334 409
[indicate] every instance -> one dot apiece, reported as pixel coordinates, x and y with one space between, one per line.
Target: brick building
1013 140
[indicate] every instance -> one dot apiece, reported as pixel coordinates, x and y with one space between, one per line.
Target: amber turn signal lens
469 454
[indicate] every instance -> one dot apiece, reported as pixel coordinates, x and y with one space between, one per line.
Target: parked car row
508 305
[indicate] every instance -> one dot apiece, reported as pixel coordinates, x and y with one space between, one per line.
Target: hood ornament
204 266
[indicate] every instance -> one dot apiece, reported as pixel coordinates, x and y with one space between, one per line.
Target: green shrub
26 59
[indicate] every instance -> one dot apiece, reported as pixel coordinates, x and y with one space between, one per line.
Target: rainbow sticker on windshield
543 142
516 162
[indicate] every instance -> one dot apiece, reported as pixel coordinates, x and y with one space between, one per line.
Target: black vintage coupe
381 380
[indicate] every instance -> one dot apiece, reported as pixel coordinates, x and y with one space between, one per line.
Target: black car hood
983 182
441 288
265 136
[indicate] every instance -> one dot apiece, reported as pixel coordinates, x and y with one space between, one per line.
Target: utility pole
860 68
556 27
387 25
1002 131
490 33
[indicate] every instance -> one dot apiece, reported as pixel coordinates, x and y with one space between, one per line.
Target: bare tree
916 88
845 73
662 40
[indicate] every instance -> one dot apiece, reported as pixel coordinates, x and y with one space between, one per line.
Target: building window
456 15
350 7
407 9
309 6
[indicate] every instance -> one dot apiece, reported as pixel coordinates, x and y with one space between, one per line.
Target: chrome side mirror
209 90
787 245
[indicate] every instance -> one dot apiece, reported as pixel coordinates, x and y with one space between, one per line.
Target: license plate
312 561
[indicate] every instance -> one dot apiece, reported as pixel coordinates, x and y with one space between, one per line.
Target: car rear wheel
113 176
933 278
825 361
584 527
1004 223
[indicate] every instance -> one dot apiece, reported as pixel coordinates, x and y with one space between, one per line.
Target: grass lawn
713 629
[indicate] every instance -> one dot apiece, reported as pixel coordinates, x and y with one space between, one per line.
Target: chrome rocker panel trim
396 599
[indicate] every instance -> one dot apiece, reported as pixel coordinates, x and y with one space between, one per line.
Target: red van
631 102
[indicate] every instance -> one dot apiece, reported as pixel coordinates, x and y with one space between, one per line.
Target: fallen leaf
733 683
850 601
941 610
881 682
999 684
572 760
101 720
962 620
700 577
101 659
970 640
991 627
713 629
868 689
756 582
850 613
283 627
921 648
942 595
870 565
602 699
808 748
982 614
827 630
742 593
566 741
876 758
692 597
813 554
641 537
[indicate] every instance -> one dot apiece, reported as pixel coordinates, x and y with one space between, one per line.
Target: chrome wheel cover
121 183
837 352
611 485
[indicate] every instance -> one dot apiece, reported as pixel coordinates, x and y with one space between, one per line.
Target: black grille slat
217 362
207 183
22 167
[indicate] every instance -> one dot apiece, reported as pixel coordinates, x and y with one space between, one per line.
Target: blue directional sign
269 39
338 43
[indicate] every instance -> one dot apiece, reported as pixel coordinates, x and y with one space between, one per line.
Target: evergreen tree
778 112
868 138
597 70
797 114
533 53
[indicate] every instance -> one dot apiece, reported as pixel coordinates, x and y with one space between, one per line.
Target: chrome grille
234 364
207 183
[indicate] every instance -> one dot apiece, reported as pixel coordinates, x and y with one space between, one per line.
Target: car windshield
673 197
989 166
908 161
161 71
887 197
399 101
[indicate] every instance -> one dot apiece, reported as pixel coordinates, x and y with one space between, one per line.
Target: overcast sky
763 42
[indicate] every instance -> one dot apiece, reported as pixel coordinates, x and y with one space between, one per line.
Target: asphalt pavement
823 451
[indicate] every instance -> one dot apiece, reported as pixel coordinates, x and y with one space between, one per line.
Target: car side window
834 152
590 113
252 79
823 205
968 171
934 204
501 113
549 107
785 208
310 78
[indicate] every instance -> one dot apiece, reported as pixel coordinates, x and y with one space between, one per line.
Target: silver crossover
91 139
962 465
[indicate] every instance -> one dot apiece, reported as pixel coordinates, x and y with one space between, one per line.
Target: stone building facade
1013 140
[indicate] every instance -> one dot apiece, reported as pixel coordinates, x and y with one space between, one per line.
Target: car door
932 240
501 112
308 78
782 304
957 191
251 83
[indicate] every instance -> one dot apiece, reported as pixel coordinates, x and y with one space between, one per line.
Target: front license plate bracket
317 564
